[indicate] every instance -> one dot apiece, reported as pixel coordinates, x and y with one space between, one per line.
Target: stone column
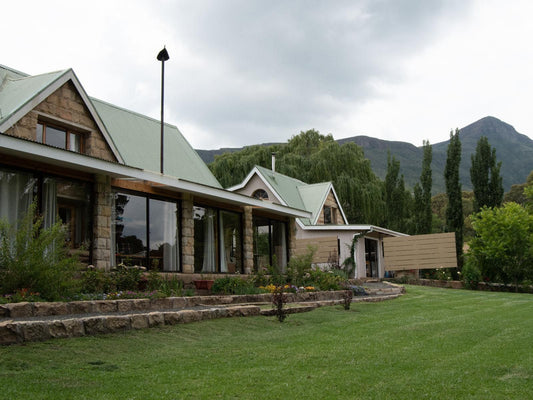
292 237
102 223
248 242
187 234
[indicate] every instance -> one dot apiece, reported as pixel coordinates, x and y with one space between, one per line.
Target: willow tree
454 209
312 158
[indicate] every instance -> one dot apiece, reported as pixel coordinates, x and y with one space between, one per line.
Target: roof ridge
280 174
130 111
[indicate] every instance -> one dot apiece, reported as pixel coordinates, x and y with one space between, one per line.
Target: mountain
513 149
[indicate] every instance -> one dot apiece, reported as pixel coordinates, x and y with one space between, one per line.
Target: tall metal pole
162 56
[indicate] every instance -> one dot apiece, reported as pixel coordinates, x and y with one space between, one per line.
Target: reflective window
270 243
217 240
17 190
146 232
59 137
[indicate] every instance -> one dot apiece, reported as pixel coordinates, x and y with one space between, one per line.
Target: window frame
41 133
219 240
147 259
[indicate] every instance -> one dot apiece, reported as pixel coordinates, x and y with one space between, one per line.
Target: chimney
273 162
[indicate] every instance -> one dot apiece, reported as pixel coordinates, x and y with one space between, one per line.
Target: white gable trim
68 75
255 171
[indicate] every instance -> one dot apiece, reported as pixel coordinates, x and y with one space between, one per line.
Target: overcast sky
245 72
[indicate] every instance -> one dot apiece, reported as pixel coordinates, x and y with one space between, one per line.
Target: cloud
243 72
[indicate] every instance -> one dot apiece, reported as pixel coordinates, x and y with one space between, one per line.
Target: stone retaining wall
26 322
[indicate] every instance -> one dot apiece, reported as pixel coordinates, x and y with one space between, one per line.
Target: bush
36 259
471 276
234 285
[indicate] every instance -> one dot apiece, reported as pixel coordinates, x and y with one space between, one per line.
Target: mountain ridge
513 149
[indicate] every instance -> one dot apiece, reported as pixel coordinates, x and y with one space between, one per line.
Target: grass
431 343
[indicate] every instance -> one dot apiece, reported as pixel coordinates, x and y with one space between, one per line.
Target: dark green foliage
454 209
503 246
485 176
471 275
36 259
234 285
397 200
422 204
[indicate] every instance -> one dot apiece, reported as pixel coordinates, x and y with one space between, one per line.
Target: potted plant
203 283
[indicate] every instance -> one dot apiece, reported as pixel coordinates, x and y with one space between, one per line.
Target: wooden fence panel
420 252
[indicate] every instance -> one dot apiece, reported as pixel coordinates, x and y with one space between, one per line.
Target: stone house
96 167
327 229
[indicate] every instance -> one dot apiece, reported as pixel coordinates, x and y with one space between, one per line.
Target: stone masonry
102 223
66 105
187 234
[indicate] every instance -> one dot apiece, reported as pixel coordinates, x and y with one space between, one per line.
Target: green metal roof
298 194
137 137
314 197
18 89
134 136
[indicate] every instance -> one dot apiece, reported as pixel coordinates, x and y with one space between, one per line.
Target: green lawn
430 343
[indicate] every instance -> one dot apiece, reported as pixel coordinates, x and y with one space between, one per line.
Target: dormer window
59 137
330 216
260 194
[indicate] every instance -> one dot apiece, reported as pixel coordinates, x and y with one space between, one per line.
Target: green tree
394 194
503 246
454 209
485 176
422 192
312 158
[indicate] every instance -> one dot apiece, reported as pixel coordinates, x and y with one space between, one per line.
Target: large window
146 232
270 243
217 240
17 191
59 137
65 200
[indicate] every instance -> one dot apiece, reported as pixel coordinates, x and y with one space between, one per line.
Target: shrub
279 298
234 285
36 259
300 267
471 275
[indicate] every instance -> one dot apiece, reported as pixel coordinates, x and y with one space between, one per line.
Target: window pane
230 227
39 133
74 142
163 235
261 227
279 240
205 243
16 195
74 210
56 137
130 229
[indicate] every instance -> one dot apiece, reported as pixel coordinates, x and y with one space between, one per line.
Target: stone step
35 329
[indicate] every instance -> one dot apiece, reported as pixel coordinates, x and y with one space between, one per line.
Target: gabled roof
133 138
138 138
21 93
295 193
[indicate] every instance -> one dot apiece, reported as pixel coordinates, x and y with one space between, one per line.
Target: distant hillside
513 149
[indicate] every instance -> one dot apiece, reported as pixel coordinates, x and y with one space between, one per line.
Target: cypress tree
422 192
454 210
485 176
